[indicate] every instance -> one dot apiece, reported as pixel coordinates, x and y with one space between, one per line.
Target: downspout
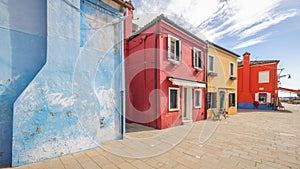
206 83
155 75
273 86
123 88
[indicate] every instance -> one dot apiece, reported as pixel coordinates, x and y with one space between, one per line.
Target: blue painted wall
61 109
248 105
22 55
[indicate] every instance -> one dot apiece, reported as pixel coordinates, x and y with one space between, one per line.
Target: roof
125 4
259 62
220 47
164 18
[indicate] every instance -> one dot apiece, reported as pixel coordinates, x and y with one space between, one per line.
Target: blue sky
267 29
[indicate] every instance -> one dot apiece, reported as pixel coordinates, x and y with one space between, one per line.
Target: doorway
186 104
222 100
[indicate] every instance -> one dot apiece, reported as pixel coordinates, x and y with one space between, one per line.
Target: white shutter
180 51
268 97
256 97
201 59
194 57
169 47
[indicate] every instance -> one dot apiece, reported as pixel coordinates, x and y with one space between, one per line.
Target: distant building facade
221 79
257 84
165 75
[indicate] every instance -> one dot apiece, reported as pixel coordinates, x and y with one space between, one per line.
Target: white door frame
187 104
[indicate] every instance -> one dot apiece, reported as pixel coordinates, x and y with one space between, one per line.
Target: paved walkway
249 139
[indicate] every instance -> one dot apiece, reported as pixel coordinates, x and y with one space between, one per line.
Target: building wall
255 87
184 70
74 101
222 81
22 54
139 72
140 67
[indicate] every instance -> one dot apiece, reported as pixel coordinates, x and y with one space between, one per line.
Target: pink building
165 68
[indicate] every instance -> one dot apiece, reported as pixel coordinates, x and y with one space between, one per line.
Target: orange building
257 84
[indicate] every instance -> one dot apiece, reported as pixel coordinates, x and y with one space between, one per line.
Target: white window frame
231 75
172 56
260 77
200 98
195 63
268 97
213 66
178 99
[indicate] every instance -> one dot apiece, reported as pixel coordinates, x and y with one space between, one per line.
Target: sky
268 29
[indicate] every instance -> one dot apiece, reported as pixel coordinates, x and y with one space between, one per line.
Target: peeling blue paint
59 112
22 54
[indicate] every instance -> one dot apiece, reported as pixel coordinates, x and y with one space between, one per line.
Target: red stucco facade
257 79
149 74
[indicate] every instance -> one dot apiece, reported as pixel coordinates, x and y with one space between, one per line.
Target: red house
165 69
257 84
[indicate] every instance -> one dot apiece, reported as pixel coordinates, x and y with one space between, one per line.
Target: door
186 104
222 100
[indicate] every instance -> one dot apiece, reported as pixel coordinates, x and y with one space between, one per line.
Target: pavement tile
126 165
140 164
250 139
101 160
54 163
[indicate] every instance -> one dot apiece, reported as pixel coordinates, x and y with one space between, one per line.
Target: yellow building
221 80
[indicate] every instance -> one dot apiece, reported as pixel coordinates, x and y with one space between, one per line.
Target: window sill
175 62
198 69
232 78
170 110
212 74
198 107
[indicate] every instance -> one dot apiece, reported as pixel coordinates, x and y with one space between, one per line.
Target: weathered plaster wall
60 111
22 54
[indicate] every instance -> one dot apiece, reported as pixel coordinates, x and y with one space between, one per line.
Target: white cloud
217 19
251 42
275 19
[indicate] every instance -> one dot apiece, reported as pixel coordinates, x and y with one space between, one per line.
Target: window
231 69
231 99
263 77
197 98
211 63
197 59
263 97
174 49
173 99
211 100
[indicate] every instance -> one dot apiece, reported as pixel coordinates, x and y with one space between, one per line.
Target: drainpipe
206 84
273 92
123 88
155 75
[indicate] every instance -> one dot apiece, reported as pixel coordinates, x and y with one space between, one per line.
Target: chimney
128 23
246 72
246 59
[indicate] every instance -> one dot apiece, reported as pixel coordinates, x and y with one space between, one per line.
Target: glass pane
173 99
199 59
197 98
214 100
173 48
231 69
211 63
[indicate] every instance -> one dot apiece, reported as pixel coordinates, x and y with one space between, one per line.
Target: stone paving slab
251 139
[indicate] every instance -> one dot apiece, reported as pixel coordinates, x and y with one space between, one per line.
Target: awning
186 82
